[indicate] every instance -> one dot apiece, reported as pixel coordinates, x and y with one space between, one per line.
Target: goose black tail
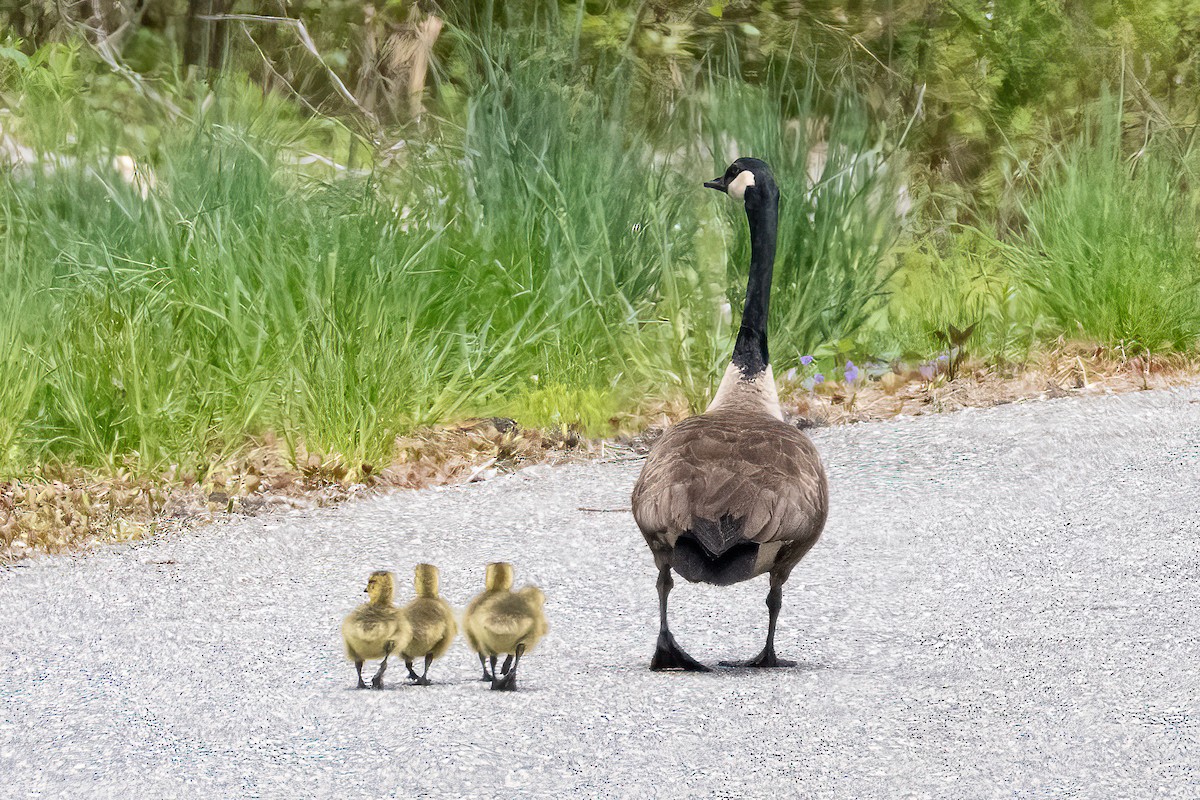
714 551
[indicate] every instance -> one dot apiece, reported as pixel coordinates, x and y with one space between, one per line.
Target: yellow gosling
500 620
432 623
376 629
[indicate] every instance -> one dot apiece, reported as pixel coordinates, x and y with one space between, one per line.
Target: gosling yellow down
376 629
432 622
500 620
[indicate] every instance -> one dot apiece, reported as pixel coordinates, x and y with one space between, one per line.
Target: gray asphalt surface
1004 604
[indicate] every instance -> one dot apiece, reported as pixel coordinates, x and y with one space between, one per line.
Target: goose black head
746 176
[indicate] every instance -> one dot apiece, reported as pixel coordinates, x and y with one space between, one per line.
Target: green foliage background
354 223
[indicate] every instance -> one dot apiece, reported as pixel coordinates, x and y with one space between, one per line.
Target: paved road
1004 605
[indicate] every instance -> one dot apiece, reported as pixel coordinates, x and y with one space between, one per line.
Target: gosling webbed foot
505 683
377 682
764 660
669 655
361 685
412 674
422 681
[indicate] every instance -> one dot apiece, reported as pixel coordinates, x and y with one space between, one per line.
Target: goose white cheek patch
737 187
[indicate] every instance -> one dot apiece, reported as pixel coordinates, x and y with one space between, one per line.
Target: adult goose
735 492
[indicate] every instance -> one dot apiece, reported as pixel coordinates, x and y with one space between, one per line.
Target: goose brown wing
761 471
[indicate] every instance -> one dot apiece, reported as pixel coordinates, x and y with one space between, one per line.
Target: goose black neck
750 350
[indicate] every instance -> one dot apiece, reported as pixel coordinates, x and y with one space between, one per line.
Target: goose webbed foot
669 655
764 660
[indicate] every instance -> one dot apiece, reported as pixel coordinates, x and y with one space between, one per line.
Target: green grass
542 252
957 279
1111 249
539 257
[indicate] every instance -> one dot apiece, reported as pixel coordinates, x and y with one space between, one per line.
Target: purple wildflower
927 371
851 371
806 360
811 381
791 374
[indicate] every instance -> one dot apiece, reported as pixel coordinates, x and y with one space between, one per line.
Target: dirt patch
64 509
1064 372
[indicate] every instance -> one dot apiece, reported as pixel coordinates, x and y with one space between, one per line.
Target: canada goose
736 491
499 620
376 629
432 622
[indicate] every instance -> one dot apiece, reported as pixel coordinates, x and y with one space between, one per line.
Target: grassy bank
544 253
543 258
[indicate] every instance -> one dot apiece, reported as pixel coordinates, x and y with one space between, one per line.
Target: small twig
310 46
479 470
109 56
605 510
267 62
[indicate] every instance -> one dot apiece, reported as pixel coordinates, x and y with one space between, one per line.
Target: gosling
376 629
432 623
500 620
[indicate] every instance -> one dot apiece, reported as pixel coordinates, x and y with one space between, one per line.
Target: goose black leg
508 683
424 679
767 658
668 654
358 665
483 663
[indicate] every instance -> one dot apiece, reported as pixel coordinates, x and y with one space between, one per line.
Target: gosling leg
358 665
412 676
667 653
377 681
487 676
508 683
508 660
767 658
424 679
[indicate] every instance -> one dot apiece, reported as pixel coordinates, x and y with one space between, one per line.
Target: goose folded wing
770 481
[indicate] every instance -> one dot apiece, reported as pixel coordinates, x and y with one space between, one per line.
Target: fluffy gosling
500 620
432 623
376 629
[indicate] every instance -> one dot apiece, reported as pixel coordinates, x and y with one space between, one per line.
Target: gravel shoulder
1004 603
